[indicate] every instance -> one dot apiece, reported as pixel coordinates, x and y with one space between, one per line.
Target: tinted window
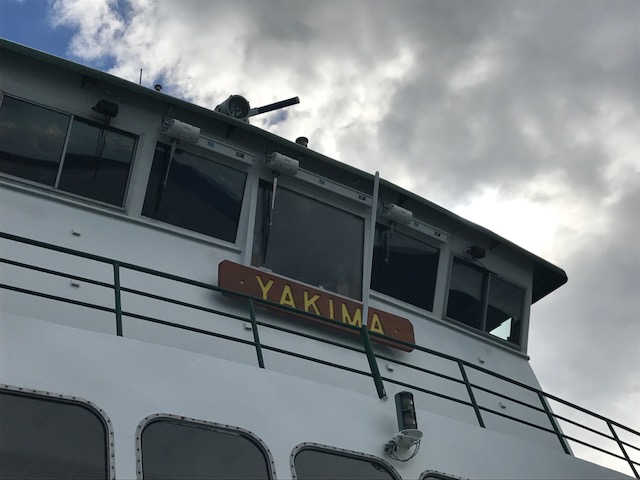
43 438
504 310
482 300
312 464
180 450
97 162
198 194
310 241
465 302
31 140
404 268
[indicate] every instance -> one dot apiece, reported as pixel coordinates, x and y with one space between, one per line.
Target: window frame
156 417
320 193
246 209
54 189
486 285
77 402
340 452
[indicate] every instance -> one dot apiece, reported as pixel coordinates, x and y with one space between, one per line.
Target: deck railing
365 348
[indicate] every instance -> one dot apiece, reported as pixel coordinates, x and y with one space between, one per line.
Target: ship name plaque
283 291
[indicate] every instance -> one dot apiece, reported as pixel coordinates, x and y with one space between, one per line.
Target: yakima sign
254 282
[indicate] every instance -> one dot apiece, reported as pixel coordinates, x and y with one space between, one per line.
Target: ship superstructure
185 295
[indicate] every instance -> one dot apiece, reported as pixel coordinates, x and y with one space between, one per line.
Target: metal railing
365 348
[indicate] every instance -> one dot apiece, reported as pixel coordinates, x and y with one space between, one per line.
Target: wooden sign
259 284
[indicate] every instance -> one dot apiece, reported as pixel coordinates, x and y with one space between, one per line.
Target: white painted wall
130 380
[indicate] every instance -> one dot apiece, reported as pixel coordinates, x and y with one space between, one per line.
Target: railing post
471 396
624 452
256 337
116 288
554 424
373 364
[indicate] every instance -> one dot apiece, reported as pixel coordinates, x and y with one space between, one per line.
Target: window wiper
388 242
163 183
267 206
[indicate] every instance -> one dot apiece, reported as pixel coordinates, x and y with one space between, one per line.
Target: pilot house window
484 301
64 152
404 267
309 241
195 193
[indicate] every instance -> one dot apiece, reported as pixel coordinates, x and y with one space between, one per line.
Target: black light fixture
476 252
107 108
406 411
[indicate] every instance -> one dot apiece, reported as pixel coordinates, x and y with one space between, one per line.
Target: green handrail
256 336
365 337
118 299
472 397
373 364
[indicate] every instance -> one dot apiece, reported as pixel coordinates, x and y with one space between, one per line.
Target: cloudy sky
521 116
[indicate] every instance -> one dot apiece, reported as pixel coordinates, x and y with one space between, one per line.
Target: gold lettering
376 325
346 317
287 297
264 288
331 309
311 302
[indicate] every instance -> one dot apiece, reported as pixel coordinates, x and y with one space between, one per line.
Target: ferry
186 295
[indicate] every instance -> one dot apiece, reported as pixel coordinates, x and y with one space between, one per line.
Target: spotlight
235 106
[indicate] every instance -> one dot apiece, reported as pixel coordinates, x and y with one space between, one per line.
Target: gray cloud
538 101
594 321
